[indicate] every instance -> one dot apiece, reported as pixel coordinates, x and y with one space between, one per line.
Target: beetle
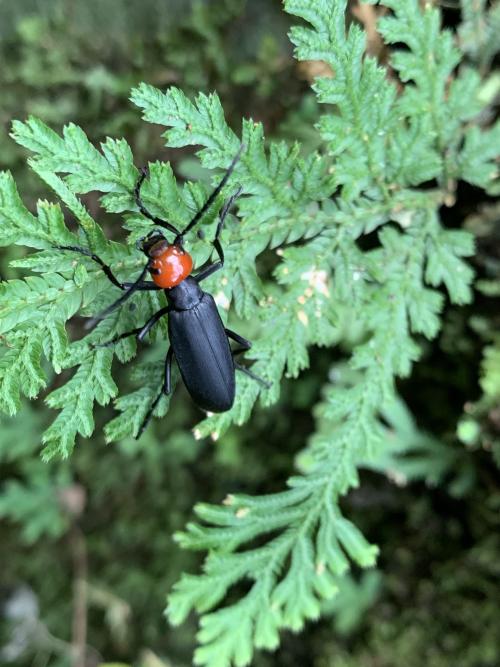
199 341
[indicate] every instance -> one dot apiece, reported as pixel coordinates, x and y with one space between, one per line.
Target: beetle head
153 244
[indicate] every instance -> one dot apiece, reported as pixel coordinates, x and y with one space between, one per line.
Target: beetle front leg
142 286
165 390
129 291
106 268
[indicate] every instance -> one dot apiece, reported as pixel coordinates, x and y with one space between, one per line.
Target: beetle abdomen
202 352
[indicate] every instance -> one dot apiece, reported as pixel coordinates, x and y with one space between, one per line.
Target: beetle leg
107 270
146 286
143 286
144 210
207 271
128 288
111 342
165 390
152 321
248 372
245 344
167 386
140 332
129 291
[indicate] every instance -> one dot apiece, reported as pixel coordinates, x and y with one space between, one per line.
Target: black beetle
198 339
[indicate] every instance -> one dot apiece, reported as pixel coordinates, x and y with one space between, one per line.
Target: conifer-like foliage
395 143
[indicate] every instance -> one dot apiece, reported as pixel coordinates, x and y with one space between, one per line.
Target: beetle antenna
144 210
124 297
212 197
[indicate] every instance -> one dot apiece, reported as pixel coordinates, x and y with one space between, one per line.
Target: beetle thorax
185 295
171 264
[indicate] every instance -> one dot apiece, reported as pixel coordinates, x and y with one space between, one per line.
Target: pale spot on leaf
318 280
302 315
221 300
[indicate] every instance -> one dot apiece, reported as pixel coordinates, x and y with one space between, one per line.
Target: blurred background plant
86 545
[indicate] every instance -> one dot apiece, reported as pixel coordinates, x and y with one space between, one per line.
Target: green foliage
372 250
353 599
490 381
32 500
478 425
59 64
478 31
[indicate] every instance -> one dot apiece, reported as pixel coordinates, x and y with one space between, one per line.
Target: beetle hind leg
244 342
245 345
165 390
248 372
